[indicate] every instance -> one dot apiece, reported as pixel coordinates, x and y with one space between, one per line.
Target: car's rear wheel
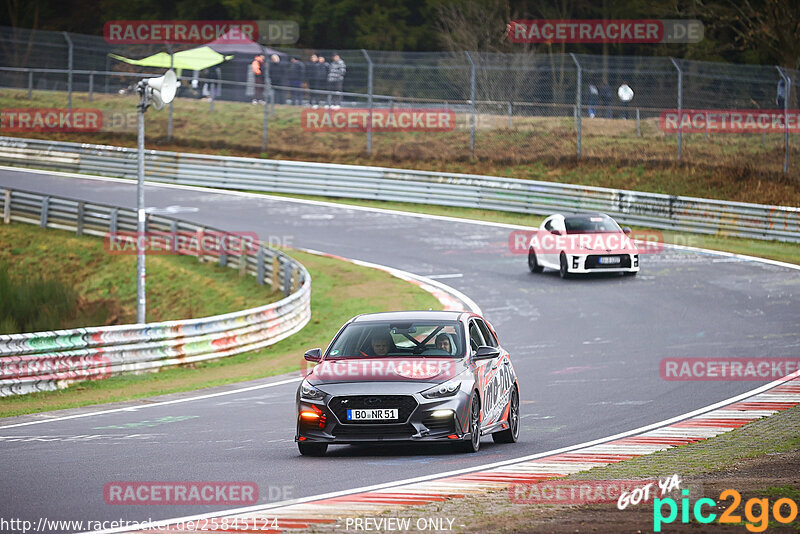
312 449
474 443
564 269
511 434
533 263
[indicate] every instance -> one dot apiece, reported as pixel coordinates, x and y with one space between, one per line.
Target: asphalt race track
587 352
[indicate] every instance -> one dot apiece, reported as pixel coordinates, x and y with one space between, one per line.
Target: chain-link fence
506 107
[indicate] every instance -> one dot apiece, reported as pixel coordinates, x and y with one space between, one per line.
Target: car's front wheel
312 449
533 263
564 269
511 434
473 444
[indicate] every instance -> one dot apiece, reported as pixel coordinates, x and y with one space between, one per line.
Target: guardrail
686 214
49 360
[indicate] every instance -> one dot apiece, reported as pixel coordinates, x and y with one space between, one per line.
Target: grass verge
340 291
178 287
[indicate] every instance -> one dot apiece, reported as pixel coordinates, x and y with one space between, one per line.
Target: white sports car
584 243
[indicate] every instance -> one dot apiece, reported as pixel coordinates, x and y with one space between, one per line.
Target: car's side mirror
486 353
313 355
627 230
555 232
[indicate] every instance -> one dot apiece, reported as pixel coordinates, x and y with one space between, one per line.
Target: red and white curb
330 508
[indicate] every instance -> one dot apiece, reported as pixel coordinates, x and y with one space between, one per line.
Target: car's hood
386 370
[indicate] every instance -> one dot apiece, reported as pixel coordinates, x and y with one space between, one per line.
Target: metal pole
30 84
369 98
169 123
267 91
69 74
472 106
787 92
680 107
638 128
91 86
140 211
509 115
578 111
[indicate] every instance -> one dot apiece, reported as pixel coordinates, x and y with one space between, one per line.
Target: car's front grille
593 261
405 405
374 431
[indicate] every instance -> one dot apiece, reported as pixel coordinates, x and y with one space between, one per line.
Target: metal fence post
30 84
369 100
69 74
45 209
472 106
680 107
265 126
578 111
787 93
91 86
260 265
169 122
7 208
638 127
509 115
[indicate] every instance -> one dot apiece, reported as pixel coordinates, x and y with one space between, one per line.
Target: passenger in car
443 343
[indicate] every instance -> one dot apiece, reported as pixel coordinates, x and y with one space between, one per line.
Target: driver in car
381 344
443 343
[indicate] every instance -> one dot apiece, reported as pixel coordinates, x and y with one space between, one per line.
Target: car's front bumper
415 424
591 263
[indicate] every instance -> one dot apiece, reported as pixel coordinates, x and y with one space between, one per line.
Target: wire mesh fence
509 107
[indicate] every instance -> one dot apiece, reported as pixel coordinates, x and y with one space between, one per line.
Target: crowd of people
291 79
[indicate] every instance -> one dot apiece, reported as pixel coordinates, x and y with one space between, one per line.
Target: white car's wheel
533 263
564 269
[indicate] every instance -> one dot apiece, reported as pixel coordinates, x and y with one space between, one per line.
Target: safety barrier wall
49 360
652 210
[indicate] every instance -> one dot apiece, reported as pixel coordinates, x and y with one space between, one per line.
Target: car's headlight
309 392
445 389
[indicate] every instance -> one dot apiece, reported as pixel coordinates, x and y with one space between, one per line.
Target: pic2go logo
755 522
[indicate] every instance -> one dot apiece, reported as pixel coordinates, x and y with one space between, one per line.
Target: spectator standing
311 78
296 75
255 79
336 79
278 76
594 95
606 99
322 77
780 97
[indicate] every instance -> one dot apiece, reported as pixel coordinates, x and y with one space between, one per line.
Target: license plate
609 259
372 414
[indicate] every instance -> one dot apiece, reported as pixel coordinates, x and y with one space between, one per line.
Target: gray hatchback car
422 376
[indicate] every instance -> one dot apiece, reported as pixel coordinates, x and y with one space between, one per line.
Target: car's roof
583 215
420 315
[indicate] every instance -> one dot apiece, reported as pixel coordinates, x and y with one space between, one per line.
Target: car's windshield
593 224
384 339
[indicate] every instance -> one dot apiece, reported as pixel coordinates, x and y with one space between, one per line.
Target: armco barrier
473 191
48 360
